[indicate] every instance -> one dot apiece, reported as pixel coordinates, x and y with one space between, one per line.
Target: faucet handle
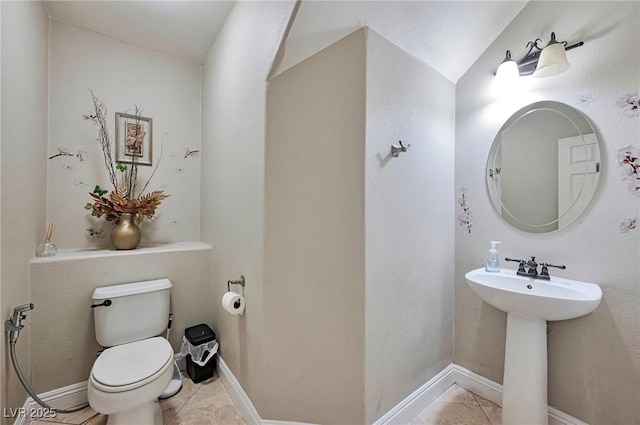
545 271
514 259
520 265
561 267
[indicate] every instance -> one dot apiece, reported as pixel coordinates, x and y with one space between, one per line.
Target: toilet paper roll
233 302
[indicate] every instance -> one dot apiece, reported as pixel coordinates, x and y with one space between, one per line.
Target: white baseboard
76 394
558 417
417 401
63 398
478 384
239 397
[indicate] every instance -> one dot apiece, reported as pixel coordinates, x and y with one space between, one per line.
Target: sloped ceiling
447 35
182 29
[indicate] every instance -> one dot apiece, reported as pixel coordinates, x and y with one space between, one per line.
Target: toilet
129 375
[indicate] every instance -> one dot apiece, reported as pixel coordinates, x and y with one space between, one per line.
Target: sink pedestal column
524 397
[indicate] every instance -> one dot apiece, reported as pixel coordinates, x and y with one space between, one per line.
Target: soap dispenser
493 264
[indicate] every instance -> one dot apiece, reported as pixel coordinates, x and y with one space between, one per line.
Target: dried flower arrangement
124 198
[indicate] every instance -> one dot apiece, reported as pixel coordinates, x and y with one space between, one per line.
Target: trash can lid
199 334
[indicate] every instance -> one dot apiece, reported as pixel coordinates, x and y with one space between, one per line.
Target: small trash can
199 346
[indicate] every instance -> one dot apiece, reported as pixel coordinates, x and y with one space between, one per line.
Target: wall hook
395 149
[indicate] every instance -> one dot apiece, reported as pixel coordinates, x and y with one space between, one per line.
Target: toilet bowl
127 378
126 381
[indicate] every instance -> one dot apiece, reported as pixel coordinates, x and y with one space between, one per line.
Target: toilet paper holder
235 282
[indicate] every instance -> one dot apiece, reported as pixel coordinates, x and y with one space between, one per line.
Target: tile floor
208 403
457 406
196 404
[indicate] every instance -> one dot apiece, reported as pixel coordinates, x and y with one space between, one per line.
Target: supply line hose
13 327
27 387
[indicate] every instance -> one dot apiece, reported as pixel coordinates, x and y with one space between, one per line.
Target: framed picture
134 139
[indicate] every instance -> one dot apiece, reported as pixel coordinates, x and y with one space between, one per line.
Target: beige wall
232 191
3 389
358 245
594 361
25 29
166 89
314 238
409 216
62 338
44 103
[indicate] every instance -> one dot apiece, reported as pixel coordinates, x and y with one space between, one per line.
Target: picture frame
134 139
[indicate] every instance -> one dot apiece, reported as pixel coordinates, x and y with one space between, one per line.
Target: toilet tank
136 311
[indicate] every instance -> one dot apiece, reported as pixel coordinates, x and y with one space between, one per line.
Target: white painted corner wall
361 224
409 224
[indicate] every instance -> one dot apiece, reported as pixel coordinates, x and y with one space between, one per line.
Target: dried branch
100 118
154 168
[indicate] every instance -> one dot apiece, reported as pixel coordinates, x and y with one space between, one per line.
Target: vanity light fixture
541 62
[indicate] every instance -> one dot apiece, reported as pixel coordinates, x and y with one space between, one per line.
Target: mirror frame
492 191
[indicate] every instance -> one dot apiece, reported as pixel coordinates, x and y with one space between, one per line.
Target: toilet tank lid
130 289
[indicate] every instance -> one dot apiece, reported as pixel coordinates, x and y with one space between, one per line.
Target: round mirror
543 167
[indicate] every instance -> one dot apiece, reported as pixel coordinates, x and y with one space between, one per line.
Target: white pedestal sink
529 303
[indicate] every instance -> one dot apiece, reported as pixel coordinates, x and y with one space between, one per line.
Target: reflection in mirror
543 167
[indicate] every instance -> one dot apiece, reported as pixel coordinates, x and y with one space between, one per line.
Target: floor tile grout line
90 419
486 416
482 408
198 386
475 397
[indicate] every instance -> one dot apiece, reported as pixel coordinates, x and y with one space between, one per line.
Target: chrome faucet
532 267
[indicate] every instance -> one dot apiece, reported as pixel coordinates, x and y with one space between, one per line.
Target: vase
46 249
126 234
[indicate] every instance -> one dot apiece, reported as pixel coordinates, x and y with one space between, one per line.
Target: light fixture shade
508 70
553 61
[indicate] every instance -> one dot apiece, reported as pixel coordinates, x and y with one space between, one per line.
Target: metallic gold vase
126 234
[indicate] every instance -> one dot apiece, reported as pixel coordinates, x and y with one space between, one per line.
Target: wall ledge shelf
75 254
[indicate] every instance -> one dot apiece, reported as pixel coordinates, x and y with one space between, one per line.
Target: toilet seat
129 366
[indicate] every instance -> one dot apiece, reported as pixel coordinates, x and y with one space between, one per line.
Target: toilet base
149 413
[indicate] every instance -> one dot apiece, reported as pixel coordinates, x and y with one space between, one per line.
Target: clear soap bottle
493 263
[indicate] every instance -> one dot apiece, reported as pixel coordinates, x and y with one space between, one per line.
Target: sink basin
555 299
529 303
